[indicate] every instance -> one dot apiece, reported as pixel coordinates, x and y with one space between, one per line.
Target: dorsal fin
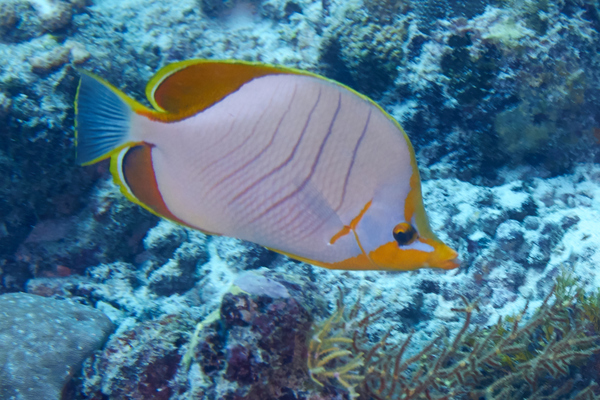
187 87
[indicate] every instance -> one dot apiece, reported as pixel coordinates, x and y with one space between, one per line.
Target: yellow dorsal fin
187 87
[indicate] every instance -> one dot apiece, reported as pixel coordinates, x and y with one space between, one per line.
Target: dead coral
514 359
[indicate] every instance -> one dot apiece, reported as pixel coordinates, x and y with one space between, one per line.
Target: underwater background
501 100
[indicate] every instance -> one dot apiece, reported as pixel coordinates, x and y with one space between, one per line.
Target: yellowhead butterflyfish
284 158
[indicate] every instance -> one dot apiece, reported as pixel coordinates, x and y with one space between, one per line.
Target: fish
285 158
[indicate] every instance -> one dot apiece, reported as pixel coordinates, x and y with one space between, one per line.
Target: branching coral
513 359
329 354
588 304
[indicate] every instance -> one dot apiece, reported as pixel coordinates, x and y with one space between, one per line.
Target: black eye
404 233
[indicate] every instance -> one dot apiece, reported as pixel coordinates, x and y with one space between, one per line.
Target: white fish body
289 160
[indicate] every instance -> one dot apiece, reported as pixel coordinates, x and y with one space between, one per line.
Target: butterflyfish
284 158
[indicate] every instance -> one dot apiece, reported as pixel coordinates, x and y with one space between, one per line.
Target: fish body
280 157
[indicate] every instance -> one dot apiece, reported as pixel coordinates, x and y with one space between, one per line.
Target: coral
484 81
385 11
53 14
177 275
50 60
138 362
109 227
8 16
569 289
161 278
246 256
469 78
431 12
532 125
216 8
4 105
535 13
281 11
251 346
189 354
518 84
253 351
509 360
43 343
330 357
365 48
22 20
162 240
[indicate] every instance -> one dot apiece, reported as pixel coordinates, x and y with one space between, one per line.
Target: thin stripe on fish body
293 162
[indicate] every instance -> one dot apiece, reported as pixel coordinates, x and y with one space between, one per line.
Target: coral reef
248 256
252 347
256 349
365 48
513 359
138 362
87 239
501 101
484 81
514 237
520 232
471 88
327 361
39 182
21 20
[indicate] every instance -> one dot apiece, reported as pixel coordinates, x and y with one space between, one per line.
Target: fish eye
404 233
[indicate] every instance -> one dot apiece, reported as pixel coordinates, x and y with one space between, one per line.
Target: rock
43 343
178 274
510 236
162 240
532 223
256 350
79 53
139 361
50 60
244 255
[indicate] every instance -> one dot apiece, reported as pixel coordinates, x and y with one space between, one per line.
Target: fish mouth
451 262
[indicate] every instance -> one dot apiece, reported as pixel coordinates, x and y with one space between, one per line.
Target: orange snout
390 256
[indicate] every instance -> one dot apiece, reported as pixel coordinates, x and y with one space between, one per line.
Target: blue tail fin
102 119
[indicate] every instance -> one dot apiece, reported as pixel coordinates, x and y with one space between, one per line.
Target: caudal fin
102 119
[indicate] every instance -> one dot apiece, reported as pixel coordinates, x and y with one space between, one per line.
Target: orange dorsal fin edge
187 87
